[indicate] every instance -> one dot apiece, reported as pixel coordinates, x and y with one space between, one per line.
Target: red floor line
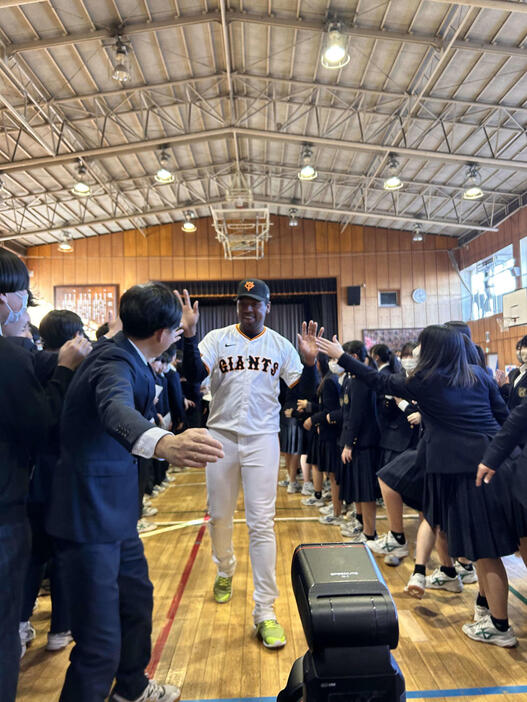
171 614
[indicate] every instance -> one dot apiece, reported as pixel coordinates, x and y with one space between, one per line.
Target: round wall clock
419 295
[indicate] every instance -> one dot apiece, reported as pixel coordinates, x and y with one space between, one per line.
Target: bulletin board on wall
394 338
95 304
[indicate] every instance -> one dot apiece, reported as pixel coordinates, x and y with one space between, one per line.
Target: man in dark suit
93 512
27 415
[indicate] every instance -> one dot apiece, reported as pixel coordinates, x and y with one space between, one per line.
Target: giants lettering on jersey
255 363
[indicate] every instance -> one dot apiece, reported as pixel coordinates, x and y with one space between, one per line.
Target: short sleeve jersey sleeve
208 349
292 366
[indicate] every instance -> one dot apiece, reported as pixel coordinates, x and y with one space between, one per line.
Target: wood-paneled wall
379 259
510 232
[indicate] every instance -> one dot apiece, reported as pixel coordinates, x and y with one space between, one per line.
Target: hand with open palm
190 315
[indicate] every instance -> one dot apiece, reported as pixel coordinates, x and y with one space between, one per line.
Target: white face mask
15 316
335 368
409 364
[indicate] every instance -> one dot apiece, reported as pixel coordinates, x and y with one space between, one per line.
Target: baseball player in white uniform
245 362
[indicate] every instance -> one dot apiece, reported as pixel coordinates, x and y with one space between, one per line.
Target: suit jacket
28 413
514 394
328 397
396 432
458 421
357 415
95 486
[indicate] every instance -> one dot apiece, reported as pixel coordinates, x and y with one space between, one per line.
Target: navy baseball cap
252 287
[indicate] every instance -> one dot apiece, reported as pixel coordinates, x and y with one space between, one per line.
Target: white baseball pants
254 460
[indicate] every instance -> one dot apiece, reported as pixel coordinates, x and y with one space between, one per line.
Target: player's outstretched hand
484 474
190 316
73 352
307 342
194 448
332 348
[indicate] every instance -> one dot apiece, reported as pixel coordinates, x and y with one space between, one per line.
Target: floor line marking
160 643
411 694
518 594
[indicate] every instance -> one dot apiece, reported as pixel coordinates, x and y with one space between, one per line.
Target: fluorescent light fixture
393 182
164 176
307 172
473 180
334 52
188 225
82 187
293 219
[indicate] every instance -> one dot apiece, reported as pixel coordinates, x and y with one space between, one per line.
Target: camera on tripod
350 624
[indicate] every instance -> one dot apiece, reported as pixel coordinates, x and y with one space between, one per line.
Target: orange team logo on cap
249 285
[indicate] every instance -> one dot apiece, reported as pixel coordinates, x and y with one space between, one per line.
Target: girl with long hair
462 410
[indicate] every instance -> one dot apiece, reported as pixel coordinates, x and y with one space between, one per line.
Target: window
485 283
388 298
523 260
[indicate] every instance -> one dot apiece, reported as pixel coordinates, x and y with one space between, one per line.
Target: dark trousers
15 540
145 469
111 619
43 552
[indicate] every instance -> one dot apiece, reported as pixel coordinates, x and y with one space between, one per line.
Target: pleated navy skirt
406 476
291 435
477 521
329 457
358 480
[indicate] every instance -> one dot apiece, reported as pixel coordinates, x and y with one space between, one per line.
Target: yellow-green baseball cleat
222 589
271 633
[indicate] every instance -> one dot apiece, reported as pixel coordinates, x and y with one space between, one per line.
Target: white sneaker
283 483
467 576
331 520
27 633
357 538
313 502
485 631
56 642
351 529
416 585
143 525
293 488
440 581
154 692
387 545
149 511
326 494
480 612
308 488
327 510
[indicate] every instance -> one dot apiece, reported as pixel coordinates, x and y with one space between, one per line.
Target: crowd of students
89 431
411 427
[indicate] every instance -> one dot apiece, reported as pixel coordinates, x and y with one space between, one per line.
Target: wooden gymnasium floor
211 651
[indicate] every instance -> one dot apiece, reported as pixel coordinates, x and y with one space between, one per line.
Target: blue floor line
412 694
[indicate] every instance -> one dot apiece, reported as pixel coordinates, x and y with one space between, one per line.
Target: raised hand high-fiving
190 316
307 342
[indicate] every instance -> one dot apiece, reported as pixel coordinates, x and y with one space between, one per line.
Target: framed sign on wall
394 338
95 304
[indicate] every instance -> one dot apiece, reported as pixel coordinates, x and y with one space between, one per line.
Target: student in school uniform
56 328
28 413
462 409
514 386
328 400
93 511
360 442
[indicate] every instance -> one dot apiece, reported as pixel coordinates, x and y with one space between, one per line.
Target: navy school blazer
95 486
459 422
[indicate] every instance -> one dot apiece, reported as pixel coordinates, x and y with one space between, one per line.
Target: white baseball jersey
245 378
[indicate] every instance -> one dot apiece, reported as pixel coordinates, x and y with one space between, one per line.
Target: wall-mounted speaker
353 293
